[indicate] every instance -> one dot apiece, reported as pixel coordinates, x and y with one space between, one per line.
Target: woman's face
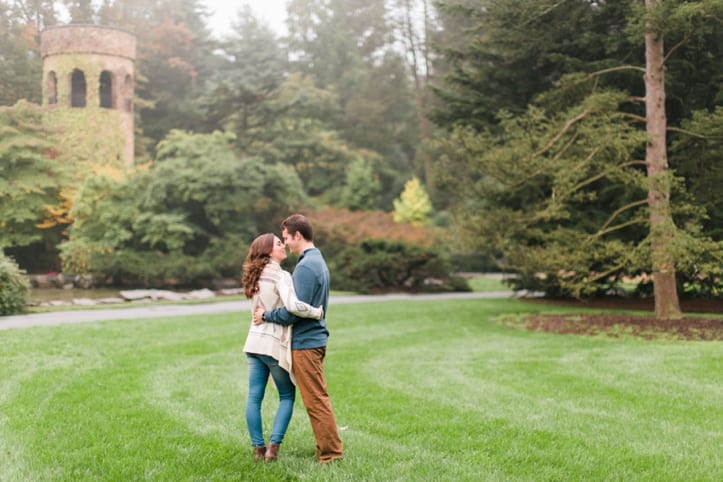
278 251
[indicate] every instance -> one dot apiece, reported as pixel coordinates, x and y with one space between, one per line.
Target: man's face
292 242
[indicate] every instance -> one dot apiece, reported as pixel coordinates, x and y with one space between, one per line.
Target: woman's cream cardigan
276 289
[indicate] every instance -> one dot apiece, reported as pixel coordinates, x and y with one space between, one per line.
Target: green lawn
487 283
423 391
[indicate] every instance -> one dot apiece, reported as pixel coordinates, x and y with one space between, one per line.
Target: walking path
84 316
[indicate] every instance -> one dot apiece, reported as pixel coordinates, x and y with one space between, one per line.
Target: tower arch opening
105 89
77 88
52 88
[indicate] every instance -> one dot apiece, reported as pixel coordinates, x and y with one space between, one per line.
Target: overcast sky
271 12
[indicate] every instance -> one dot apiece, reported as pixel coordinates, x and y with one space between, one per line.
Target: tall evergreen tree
174 58
510 52
347 46
247 79
540 185
331 40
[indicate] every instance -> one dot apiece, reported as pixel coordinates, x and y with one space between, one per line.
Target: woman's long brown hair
256 260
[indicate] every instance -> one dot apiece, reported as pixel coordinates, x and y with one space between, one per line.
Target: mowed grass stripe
424 390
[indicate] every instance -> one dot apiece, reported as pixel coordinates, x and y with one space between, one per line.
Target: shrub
368 252
380 265
14 287
126 267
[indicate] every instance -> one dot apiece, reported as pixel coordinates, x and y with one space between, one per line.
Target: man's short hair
298 223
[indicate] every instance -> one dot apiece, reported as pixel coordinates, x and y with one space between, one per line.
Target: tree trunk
417 55
662 229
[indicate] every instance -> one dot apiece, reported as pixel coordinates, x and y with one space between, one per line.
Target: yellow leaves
59 215
413 206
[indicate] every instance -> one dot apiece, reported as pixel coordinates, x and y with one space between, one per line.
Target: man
309 338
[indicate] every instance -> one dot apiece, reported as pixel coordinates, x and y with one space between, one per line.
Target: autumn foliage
343 226
368 252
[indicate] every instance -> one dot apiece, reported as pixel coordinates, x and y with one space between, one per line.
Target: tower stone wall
88 81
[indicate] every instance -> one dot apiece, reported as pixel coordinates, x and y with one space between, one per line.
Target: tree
362 190
185 219
502 55
694 155
662 228
660 18
226 194
167 79
20 62
301 135
31 176
346 47
174 57
416 36
333 41
555 193
81 11
240 93
567 174
413 205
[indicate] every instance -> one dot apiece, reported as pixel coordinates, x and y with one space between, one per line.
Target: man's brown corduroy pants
308 366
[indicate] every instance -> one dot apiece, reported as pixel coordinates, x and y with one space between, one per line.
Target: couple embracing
283 304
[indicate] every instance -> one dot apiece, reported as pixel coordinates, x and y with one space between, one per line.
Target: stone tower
88 78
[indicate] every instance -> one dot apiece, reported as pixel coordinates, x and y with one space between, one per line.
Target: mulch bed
692 328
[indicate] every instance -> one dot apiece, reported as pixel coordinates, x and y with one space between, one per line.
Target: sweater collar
308 250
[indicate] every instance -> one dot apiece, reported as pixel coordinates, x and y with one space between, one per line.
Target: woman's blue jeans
260 366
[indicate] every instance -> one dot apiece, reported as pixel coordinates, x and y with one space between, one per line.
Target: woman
268 345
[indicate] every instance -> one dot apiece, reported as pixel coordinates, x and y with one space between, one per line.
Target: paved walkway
151 311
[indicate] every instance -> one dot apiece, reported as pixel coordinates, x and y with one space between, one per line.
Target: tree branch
634 117
675 47
605 229
568 125
545 11
690 133
598 276
616 69
543 167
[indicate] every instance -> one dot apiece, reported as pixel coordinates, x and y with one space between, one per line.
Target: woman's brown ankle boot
259 453
272 451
